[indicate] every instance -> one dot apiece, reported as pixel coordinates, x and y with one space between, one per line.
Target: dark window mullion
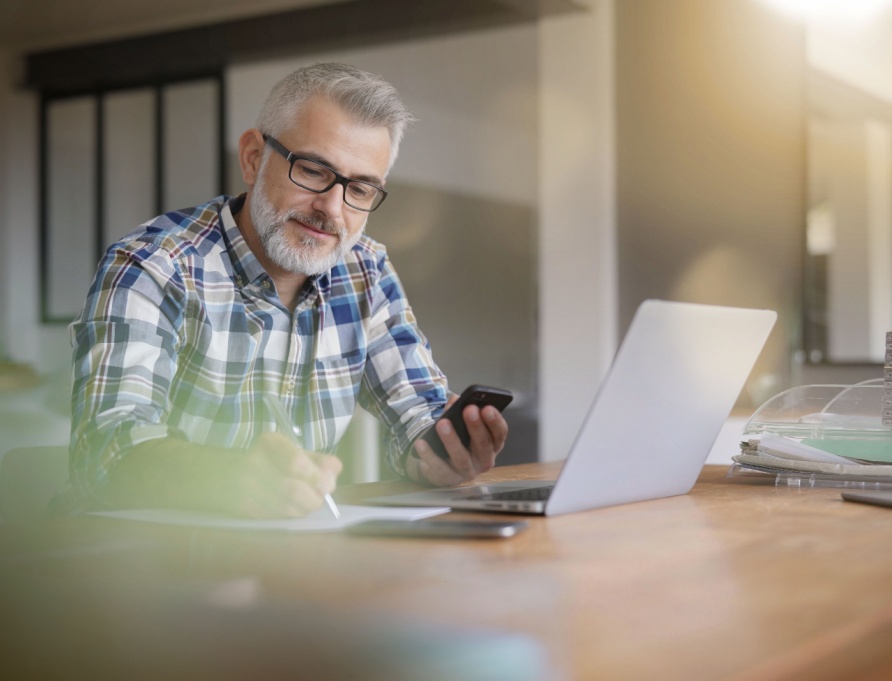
221 131
159 149
43 209
99 189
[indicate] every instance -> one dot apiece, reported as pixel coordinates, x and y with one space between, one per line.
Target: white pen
284 425
333 507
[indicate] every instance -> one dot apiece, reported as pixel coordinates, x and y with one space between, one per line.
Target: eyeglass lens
316 177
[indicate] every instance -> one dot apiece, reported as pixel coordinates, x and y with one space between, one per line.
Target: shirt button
266 285
289 386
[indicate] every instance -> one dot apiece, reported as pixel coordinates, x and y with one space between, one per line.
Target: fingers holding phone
466 439
488 432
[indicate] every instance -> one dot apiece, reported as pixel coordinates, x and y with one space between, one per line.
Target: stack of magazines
820 436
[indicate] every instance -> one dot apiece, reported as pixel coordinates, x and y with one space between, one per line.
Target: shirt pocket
340 373
337 382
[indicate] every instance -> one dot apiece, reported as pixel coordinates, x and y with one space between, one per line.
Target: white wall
856 50
849 179
577 213
850 166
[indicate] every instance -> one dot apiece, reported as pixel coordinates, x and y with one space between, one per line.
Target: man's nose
331 202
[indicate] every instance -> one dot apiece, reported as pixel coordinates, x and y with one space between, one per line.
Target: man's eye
310 171
361 191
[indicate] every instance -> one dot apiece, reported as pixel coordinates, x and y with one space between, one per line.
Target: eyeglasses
319 178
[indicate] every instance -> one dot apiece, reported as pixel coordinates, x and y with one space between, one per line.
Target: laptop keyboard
529 494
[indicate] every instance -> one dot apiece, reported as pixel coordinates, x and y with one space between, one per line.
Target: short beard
308 258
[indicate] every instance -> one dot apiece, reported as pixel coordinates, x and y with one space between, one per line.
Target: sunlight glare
838 10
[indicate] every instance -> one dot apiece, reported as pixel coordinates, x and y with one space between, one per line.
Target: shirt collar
247 267
245 264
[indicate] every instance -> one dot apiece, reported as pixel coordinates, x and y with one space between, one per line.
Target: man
198 314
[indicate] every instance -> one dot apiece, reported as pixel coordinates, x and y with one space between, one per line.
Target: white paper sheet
318 521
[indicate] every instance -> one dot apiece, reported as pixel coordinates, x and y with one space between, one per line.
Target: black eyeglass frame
342 180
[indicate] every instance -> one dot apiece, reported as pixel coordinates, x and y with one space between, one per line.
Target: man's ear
250 152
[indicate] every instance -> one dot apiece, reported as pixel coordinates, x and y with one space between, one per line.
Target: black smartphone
480 395
458 529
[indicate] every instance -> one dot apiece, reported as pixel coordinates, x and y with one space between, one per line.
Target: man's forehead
326 132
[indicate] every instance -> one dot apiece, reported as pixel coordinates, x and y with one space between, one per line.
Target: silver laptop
673 382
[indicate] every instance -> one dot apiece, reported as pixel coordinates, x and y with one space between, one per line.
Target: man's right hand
275 478
278 479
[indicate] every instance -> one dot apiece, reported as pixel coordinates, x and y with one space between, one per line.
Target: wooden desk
732 581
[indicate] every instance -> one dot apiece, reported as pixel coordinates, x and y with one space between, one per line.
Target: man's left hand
488 430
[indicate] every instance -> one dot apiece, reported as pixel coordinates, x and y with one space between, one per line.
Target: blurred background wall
710 163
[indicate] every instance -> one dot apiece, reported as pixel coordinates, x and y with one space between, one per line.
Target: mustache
328 226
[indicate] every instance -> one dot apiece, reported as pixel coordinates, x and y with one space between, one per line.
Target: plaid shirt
182 334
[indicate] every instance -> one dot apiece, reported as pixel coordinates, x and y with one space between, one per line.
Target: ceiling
41 24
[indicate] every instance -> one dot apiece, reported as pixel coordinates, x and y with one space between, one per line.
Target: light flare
835 10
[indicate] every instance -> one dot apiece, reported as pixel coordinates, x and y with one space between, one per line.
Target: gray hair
368 98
